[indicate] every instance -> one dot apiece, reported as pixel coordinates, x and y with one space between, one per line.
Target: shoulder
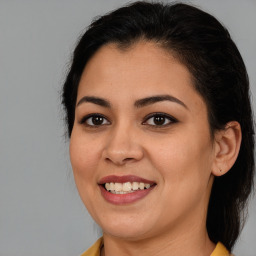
221 250
94 250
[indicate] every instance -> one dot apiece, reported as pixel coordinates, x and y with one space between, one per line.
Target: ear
226 148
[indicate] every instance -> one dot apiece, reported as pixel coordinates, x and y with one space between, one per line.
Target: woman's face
141 131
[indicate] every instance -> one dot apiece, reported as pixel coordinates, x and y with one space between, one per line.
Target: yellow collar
220 249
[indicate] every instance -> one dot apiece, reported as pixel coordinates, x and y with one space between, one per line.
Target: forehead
141 70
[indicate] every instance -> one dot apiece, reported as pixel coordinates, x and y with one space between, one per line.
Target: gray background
40 210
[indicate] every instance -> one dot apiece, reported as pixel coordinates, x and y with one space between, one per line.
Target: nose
123 146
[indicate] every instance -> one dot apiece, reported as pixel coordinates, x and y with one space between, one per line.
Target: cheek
185 170
184 160
84 157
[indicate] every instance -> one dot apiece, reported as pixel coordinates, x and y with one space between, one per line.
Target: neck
193 241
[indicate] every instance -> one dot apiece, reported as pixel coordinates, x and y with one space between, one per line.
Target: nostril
128 159
120 161
121 157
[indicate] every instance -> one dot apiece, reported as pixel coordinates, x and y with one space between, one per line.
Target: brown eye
97 120
94 120
159 120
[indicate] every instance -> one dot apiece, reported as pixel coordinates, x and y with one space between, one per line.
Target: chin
126 228
126 233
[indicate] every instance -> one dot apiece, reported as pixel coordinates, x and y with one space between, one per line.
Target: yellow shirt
219 250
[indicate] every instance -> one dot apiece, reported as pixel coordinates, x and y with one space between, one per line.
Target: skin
180 156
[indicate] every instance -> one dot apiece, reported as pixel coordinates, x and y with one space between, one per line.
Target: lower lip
128 198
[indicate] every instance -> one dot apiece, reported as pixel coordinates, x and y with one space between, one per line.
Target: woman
161 131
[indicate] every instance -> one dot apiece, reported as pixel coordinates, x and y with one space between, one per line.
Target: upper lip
123 179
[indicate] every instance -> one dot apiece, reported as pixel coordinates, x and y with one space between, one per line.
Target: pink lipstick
126 189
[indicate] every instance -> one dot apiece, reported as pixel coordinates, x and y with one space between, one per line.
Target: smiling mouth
126 187
123 190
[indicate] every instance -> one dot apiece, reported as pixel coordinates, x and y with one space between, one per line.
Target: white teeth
107 186
127 187
135 186
141 186
118 187
112 186
147 186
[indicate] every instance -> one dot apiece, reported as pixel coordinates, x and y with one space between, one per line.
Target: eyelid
151 115
86 117
167 116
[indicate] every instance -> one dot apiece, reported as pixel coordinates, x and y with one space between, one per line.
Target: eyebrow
154 99
95 100
138 103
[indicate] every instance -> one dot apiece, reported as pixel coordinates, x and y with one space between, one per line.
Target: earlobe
226 145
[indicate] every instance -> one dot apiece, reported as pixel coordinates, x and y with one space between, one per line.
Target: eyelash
171 119
85 119
167 118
